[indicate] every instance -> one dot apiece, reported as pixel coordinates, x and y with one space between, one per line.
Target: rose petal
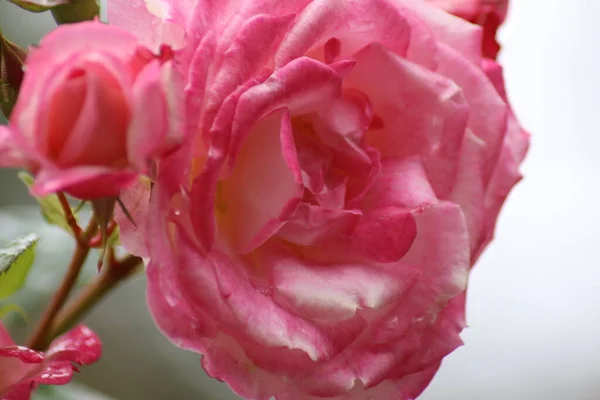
250 50
132 233
354 23
23 369
83 182
426 319
385 234
259 197
186 329
80 345
313 225
488 114
209 162
332 292
10 156
103 118
148 128
153 21
422 112
303 86
451 31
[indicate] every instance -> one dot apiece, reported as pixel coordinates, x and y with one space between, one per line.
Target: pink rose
344 165
94 109
490 14
22 369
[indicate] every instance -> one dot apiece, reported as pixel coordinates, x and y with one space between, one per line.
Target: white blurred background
534 297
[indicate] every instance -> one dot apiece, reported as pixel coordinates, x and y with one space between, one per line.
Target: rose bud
94 111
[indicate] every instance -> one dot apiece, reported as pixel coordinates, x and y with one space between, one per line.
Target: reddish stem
114 273
71 220
40 338
96 241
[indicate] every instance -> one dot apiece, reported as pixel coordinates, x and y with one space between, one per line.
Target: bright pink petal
215 285
10 156
332 292
98 137
492 151
385 234
67 40
15 363
341 127
353 23
255 317
148 128
197 76
185 328
265 187
80 345
488 114
506 174
421 112
5 339
425 319
488 14
210 161
247 56
450 31
154 22
315 225
20 391
470 187
303 86
30 368
83 182
59 47
285 88
402 183
216 15
173 81
132 233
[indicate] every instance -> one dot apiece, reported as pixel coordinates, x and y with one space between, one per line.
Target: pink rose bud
23 369
346 164
94 111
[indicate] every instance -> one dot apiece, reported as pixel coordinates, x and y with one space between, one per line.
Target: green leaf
76 11
51 209
15 262
38 5
114 238
10 308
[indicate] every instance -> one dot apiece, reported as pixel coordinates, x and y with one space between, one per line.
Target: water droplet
265 291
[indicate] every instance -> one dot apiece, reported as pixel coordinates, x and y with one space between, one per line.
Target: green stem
112 275
76 11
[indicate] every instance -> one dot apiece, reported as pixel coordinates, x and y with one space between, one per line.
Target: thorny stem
112 274
96 241
40 338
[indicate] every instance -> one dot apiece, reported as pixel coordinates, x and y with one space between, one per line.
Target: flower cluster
322 175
